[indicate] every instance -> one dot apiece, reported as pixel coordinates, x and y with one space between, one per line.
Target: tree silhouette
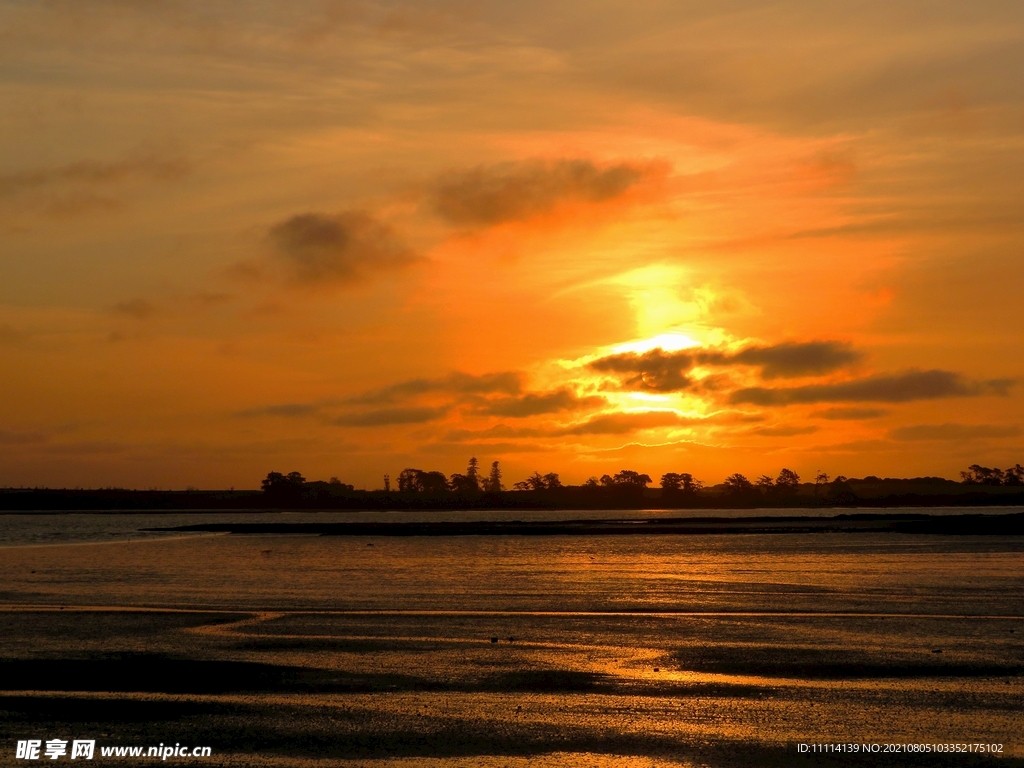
1014 475
417 481
533 483
690 483
433 482
337 485
625 483
680 482
275 482
493 482
468 483
979 475
473 474
841 492
552 481
737 484
459 483
628 477
408 480
283 488
788 482
539 482
671 481
788 478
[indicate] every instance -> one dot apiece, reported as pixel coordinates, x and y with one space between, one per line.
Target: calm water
63 528
639 650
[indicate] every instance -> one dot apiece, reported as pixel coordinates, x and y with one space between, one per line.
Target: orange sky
347 238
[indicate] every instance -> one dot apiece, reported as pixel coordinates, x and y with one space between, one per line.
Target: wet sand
718 650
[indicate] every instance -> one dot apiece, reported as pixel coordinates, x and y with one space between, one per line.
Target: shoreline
919 524
885 494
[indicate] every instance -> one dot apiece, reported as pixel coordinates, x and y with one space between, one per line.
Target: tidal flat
642 650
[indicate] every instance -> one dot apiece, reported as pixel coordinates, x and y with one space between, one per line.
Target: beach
718 649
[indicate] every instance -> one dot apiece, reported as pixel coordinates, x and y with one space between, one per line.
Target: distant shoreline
884 494
960 525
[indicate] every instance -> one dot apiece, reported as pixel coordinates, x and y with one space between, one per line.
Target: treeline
411 480
786 483
627 488
979 475
417 481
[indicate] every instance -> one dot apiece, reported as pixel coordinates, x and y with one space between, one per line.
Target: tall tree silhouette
493 482
473 474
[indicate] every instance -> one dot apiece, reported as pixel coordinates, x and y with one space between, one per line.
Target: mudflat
640 650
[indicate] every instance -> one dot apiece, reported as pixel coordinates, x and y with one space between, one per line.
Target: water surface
641 650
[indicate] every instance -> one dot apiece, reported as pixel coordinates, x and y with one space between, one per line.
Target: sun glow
669 342
647 397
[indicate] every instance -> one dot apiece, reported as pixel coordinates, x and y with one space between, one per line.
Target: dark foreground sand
636 651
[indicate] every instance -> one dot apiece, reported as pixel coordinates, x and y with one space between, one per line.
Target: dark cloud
388 416
505 382
20 438
715 382
91 173
953 431
284 409
534 404
603 424
899 388
455 388
810 358
516 191
655 370
849 414
140 309
344 248
662 371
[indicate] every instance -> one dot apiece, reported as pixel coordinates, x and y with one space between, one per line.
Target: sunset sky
346 238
